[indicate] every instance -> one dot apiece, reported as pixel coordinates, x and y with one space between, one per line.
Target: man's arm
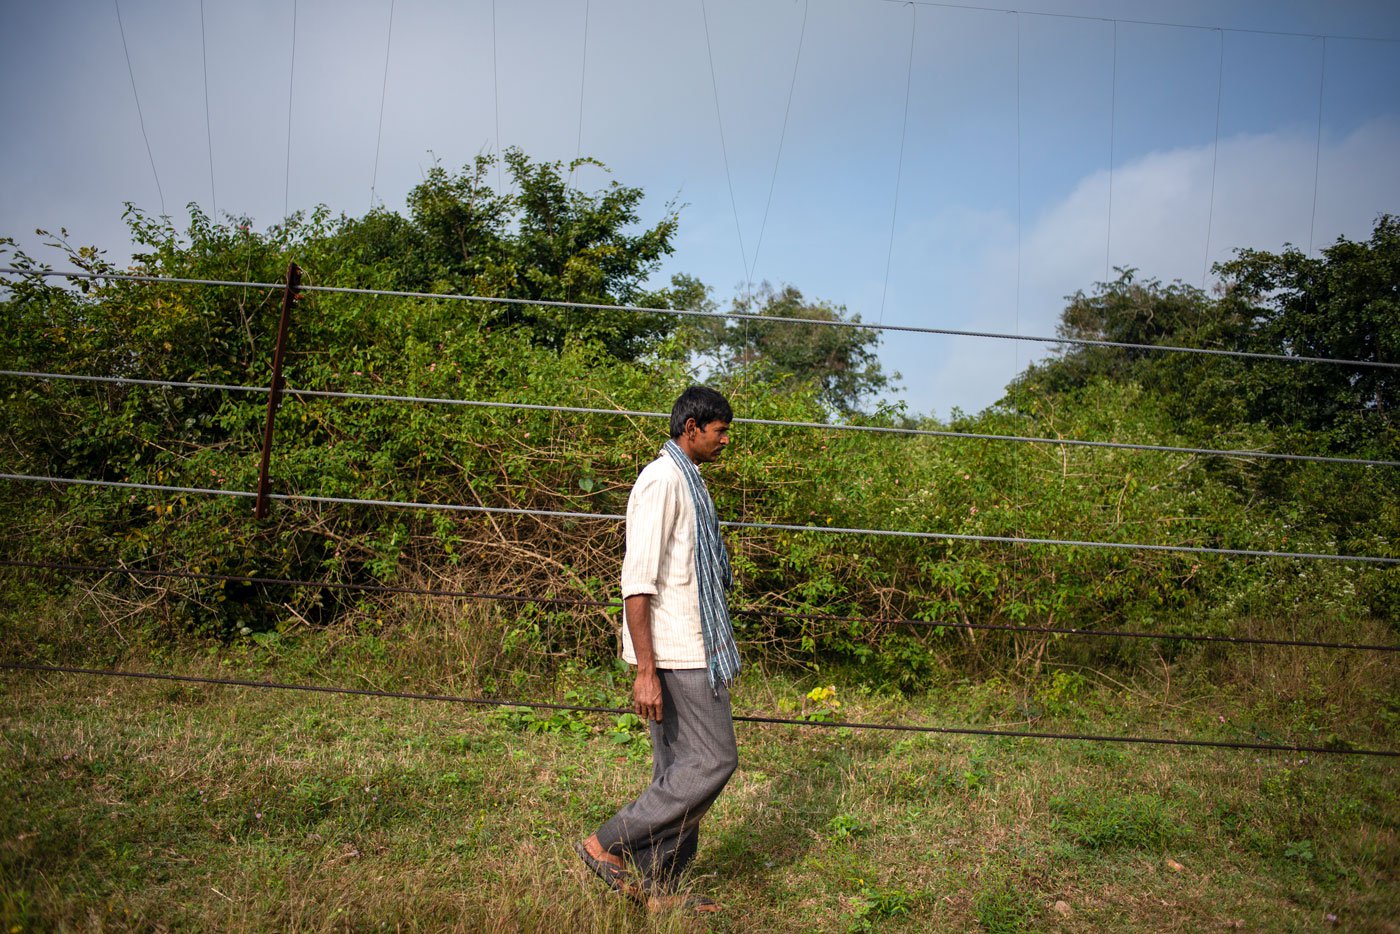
646 690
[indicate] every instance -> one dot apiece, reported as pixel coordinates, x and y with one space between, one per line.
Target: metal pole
288 296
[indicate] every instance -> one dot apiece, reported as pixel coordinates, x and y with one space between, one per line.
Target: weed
1101 821
1300 851
1060 695
527 719
1002 906
845 826
871 906
820 705
630 732
974 777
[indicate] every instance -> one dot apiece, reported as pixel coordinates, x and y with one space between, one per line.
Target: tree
840 362
544 240
1343 304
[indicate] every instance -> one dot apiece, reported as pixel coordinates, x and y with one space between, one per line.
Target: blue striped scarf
712 573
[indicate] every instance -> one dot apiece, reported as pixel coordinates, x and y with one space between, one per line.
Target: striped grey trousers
693 754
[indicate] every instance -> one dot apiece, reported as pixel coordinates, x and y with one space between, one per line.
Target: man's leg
665 878
694 754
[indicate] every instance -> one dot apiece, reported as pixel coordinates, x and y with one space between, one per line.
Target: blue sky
1022 128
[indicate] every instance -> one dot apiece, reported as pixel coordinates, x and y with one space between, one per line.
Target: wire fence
696 313
752 610
761 526
302 393
1340 748
1337 748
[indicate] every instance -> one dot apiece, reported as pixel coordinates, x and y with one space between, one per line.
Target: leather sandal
618 878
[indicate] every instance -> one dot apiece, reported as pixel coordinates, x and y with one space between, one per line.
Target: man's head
700 423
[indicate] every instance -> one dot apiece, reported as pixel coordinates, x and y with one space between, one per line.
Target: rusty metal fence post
274 396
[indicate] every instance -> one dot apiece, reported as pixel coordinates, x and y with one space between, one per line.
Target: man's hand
646 690
646 695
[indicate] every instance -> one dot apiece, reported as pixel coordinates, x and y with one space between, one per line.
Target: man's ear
689 424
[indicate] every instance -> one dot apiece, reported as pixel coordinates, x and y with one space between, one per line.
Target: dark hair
701 403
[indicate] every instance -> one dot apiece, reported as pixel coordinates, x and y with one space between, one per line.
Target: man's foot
682 902
610 868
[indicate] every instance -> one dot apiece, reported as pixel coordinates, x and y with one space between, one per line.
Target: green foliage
543 240
1105 821
870 906
1300 850
1002 905
839 363
631 733
1340 304
820 705
1059 695
894 611
529 720
845 826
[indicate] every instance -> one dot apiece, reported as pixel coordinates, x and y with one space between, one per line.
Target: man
677 632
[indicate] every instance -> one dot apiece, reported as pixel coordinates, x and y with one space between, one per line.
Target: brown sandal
618 878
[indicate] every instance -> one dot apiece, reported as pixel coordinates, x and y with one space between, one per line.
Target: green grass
146 805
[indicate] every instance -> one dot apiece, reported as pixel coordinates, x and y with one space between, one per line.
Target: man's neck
684 445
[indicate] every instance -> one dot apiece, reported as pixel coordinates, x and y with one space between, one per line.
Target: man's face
706 443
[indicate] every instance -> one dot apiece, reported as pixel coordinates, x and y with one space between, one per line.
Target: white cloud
1263 198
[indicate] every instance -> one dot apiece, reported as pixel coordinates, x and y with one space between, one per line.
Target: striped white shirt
660 562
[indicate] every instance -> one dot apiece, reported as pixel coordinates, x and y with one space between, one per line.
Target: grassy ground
144 805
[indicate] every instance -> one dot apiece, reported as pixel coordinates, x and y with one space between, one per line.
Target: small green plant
973 778
563 721
630 732
1300 851
871 906
528 720
820 705
844 826
513 718
1059 696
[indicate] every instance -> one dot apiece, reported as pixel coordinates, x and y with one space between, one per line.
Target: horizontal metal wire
134 381
688 312
977 8
297 582
743 718
774 526
777 423
770 612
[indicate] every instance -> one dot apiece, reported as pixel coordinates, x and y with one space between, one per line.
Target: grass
147 805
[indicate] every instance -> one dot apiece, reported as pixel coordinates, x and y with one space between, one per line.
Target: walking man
676 631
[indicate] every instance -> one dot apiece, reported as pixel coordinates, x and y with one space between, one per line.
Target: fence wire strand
302 394
760 611
696 313
764 526
1340 749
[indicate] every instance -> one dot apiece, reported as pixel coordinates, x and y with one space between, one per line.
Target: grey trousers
693 754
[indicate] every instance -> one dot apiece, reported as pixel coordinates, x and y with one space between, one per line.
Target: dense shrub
546 243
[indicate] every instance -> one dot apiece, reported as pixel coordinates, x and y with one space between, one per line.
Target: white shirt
660 562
